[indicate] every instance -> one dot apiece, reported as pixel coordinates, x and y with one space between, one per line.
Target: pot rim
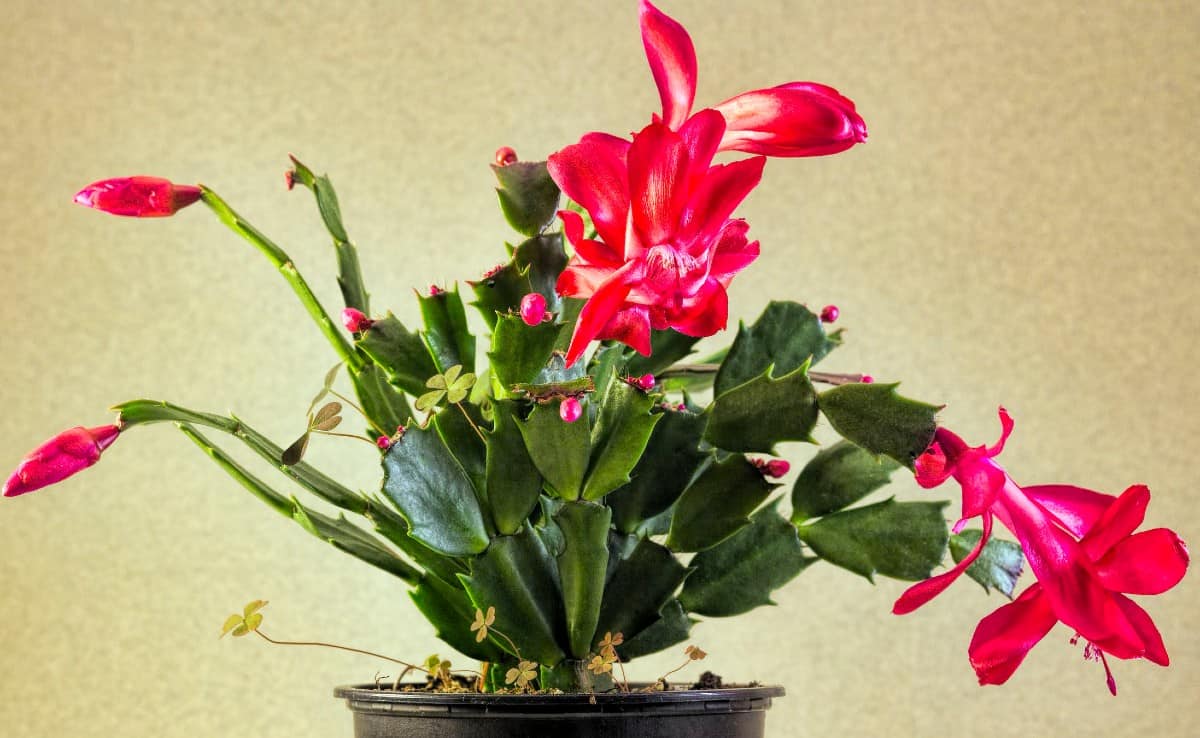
369 698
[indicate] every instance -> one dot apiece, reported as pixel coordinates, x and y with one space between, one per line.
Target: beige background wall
1019 229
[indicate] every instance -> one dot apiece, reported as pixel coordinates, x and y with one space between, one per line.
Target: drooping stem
283 263
405 664
467 415
515 651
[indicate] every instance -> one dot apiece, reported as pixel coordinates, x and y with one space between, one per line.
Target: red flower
667 248
1067 534
138 197
793 119
67 453
1146 563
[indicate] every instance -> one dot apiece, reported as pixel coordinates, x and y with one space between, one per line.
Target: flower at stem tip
830 313
774 468
66 454
505 155
138 197
356 321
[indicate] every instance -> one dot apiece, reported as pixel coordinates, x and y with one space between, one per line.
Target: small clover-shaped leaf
429 400
600 665
608 644
695 653
238 625
330 376
480 626
329 424
327 411
294 453
522 674
453 385
438 668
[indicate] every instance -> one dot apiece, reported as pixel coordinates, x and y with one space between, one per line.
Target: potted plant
574 496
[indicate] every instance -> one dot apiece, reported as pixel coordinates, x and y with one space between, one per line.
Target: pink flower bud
383 442
67 453
289 177
777 468
505 156
355 320
533 308
434 290
645 382
570 410
867 379
138 197
830 313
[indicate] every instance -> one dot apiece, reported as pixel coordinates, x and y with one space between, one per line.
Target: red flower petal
1156 650
1003 638
931 467
704 314
1120 520
581 280
710 206
672 61
922 592
658 164
1006 429
702 134
1075 508
1148 563
794 119
138 197
630 326
599 310
591 174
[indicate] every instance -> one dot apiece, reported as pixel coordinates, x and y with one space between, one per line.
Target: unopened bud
355 320
570 410
830 313
533 308
505 156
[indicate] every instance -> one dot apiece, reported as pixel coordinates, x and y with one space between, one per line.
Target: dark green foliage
350 278
400 352
520 352
739 574
672 627
623 426
384 404
559 450
875 417
999 564
902 540
717 505
450 611
581 567
528 196
786 336
464 443
666 468
836 478
666 348
446 333
541 260
519 577
435 495
513 481
764 411
640 585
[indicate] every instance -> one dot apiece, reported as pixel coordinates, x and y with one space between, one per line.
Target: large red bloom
1078 546
792 119
667 247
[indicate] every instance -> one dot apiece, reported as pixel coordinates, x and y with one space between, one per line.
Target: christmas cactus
584 488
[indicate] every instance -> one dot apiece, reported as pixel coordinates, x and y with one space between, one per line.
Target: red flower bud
505 156
830 313
645 382
533 308
434 290
355 320
67 453
138 197
777 468
867 379
570 410
383 442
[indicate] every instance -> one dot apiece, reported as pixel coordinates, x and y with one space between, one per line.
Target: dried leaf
325 413
295 452
331 375
328 425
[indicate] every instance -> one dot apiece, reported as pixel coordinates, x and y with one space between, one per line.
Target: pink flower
793 119
1146 563
138 197
667 248
67 453
1054 525
355 320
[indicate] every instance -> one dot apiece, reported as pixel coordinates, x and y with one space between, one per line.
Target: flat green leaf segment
339 532
581 567
350 278
638 588
528 196
740 573
878 419
446 333
666 468
450 611
717 505
433 492
559 450
902 540
672 627
383 402
999 564
838 477
465 445
666 348
513 481
518 576
400 352
760 413
519 351
623 427
785 336
533 266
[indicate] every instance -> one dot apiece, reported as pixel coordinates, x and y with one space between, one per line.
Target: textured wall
1020 229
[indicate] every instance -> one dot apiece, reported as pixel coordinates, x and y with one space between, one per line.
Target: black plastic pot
717 713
